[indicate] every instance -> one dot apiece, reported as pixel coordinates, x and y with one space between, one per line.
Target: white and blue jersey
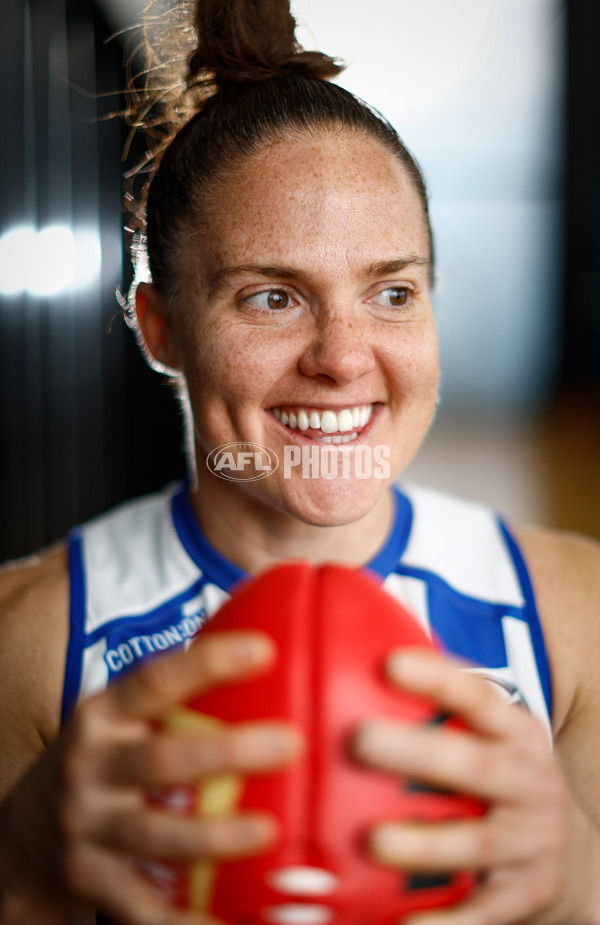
144 579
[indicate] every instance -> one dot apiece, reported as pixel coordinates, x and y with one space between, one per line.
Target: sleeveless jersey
145 579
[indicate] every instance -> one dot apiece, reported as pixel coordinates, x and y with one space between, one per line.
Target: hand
78 823
520 846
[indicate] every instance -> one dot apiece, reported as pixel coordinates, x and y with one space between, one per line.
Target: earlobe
154 327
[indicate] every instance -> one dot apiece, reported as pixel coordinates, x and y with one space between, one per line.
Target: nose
338 351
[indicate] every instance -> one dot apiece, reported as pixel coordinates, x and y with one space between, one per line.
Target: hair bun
250 40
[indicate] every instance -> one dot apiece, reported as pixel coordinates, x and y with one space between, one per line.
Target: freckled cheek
414 368
232 371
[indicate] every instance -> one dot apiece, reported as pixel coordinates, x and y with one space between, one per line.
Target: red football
333 628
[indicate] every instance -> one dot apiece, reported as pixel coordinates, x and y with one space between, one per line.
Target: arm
537 848
566 576
74 821
34 631
34 628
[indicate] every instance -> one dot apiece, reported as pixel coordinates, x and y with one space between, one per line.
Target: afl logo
245 462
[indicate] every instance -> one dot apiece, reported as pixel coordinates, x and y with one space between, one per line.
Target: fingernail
373 740
387 842
250 649
270 745
251 831
278 743
406 664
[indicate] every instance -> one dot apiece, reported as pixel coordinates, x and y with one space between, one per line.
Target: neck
253 535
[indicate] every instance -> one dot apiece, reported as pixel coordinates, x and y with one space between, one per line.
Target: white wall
474 88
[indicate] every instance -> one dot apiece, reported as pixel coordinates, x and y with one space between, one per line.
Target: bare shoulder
565 572
34 627
564 564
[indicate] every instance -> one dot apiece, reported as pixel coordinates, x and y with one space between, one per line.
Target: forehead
334 198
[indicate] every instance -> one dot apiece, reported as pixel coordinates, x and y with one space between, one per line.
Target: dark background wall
580 365
83 423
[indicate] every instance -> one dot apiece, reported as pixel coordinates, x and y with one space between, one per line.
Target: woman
291 260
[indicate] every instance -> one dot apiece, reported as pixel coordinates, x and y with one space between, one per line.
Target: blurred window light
89 258
47 262
53 266
17 251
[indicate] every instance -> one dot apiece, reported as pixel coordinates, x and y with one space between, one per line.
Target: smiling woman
286 231
349 326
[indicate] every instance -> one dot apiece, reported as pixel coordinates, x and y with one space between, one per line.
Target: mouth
325 425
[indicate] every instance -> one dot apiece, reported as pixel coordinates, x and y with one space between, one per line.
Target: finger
117 888
503 900
156 834
216 658
453 760
169 758
460 692
462 845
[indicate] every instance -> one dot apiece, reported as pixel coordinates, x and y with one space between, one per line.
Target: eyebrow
373 270
385 267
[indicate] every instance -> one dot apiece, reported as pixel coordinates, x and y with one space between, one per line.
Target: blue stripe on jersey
159 616
535 626
226 575
393 549
132 639
472 628
77 609
216 567
464 625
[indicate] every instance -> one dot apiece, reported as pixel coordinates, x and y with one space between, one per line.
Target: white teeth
329 422
344 421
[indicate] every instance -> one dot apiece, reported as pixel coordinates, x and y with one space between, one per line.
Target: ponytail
251 40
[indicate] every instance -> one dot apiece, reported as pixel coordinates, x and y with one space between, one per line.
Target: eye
271 299
394 297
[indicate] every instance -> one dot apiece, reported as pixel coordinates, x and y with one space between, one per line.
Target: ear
155 327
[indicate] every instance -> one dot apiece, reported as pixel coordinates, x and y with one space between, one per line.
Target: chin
332 502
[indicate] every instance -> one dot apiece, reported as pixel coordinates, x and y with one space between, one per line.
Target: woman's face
304 324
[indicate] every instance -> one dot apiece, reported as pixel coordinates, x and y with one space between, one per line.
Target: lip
326 406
